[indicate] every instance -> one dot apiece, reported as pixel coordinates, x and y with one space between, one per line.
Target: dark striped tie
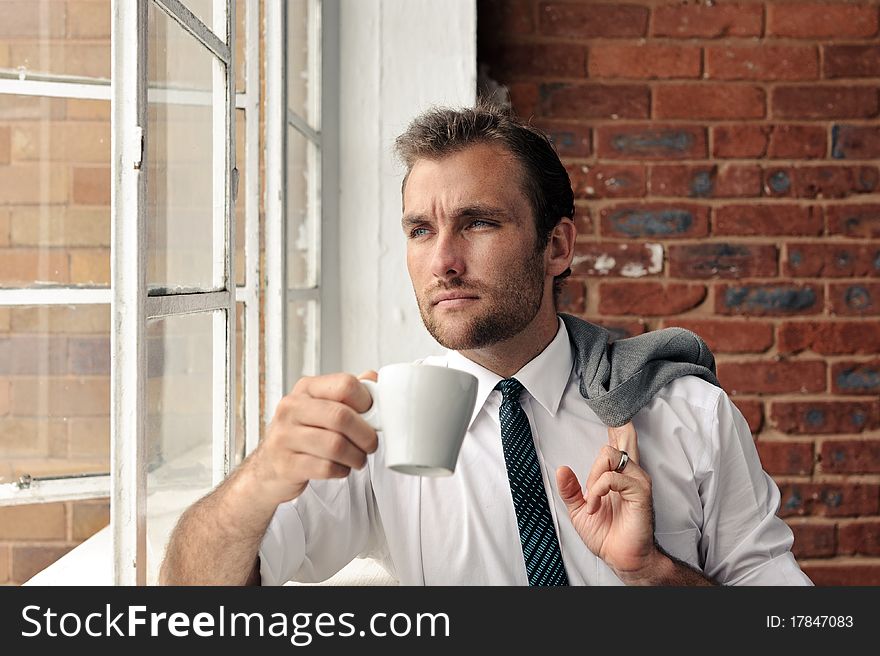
539 543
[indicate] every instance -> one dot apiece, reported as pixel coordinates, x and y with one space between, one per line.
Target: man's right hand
316 433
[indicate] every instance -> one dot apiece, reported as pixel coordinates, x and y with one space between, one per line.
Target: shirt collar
545 376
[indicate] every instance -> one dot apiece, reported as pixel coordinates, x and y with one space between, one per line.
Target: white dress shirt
715 507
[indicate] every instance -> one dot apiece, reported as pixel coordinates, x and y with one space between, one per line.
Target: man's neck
507 357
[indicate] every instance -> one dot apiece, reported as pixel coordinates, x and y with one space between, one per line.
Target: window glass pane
54 191
179 422
302 341
54 390
303 90
303 169
240 45
180 161
241 201
204 11
240 327
47 37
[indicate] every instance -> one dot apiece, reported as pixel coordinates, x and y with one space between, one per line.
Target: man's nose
447 260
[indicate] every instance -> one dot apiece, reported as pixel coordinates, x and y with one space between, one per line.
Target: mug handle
371 416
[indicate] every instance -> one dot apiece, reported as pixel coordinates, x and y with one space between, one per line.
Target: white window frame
323 203
132 306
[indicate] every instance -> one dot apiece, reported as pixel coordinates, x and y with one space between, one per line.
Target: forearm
217 539
667 570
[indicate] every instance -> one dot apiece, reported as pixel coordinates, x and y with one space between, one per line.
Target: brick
651 142
851 377
835 181
655 220
582 218
28 437
815 102
79 397
90 20
507 17
91 185
82 60
89 355
89 437
573 298
649 298
818 20
29 560
5 319
90 266
620 329
705 181
644 61
752 412
830 338
730 336
852 61
617 259
82 319
854 220
797 142
786 458
777 377
569 139
742 141
843 574
4 563
4 227
31 107
859 299
851 456
855 142
593 101
607 180
5 145
812 539
524 97
859 537
89 110
709 101
589 20
68 141
43 355
722 260
89 518
54 466
709 21
23 19
764 62
828 499
825 417
779 181
537 59
30 184
39 521
53 225
4 397
768 299
26 266
767 220
831 260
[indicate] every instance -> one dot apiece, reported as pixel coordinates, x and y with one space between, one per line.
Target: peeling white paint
656 265
604 263
633 270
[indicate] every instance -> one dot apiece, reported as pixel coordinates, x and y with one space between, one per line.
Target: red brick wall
724 157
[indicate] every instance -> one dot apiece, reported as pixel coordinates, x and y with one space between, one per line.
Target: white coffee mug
423 412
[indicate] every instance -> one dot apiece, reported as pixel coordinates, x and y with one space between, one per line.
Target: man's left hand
615 517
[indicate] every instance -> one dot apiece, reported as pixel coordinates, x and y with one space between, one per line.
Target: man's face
471 250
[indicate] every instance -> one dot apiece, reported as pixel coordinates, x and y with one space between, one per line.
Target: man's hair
443 131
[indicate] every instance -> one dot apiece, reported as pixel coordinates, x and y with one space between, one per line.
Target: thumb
569 489
369 374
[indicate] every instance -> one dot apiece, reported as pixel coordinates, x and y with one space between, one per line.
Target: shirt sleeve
317 534
744 542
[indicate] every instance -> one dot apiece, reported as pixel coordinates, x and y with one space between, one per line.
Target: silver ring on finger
624 458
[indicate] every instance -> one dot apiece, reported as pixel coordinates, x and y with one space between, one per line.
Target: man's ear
560 249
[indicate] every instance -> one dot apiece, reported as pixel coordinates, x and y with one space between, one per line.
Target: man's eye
418 232
479 223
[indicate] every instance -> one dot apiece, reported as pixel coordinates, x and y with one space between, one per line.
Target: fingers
328 446
369 374
630 489
624 438
569 488
607 461
335 417
343 388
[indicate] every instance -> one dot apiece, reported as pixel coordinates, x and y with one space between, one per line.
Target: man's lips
452 299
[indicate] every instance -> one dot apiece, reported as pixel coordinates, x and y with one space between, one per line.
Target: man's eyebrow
466 212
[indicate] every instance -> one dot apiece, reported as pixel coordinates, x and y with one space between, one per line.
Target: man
487 215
